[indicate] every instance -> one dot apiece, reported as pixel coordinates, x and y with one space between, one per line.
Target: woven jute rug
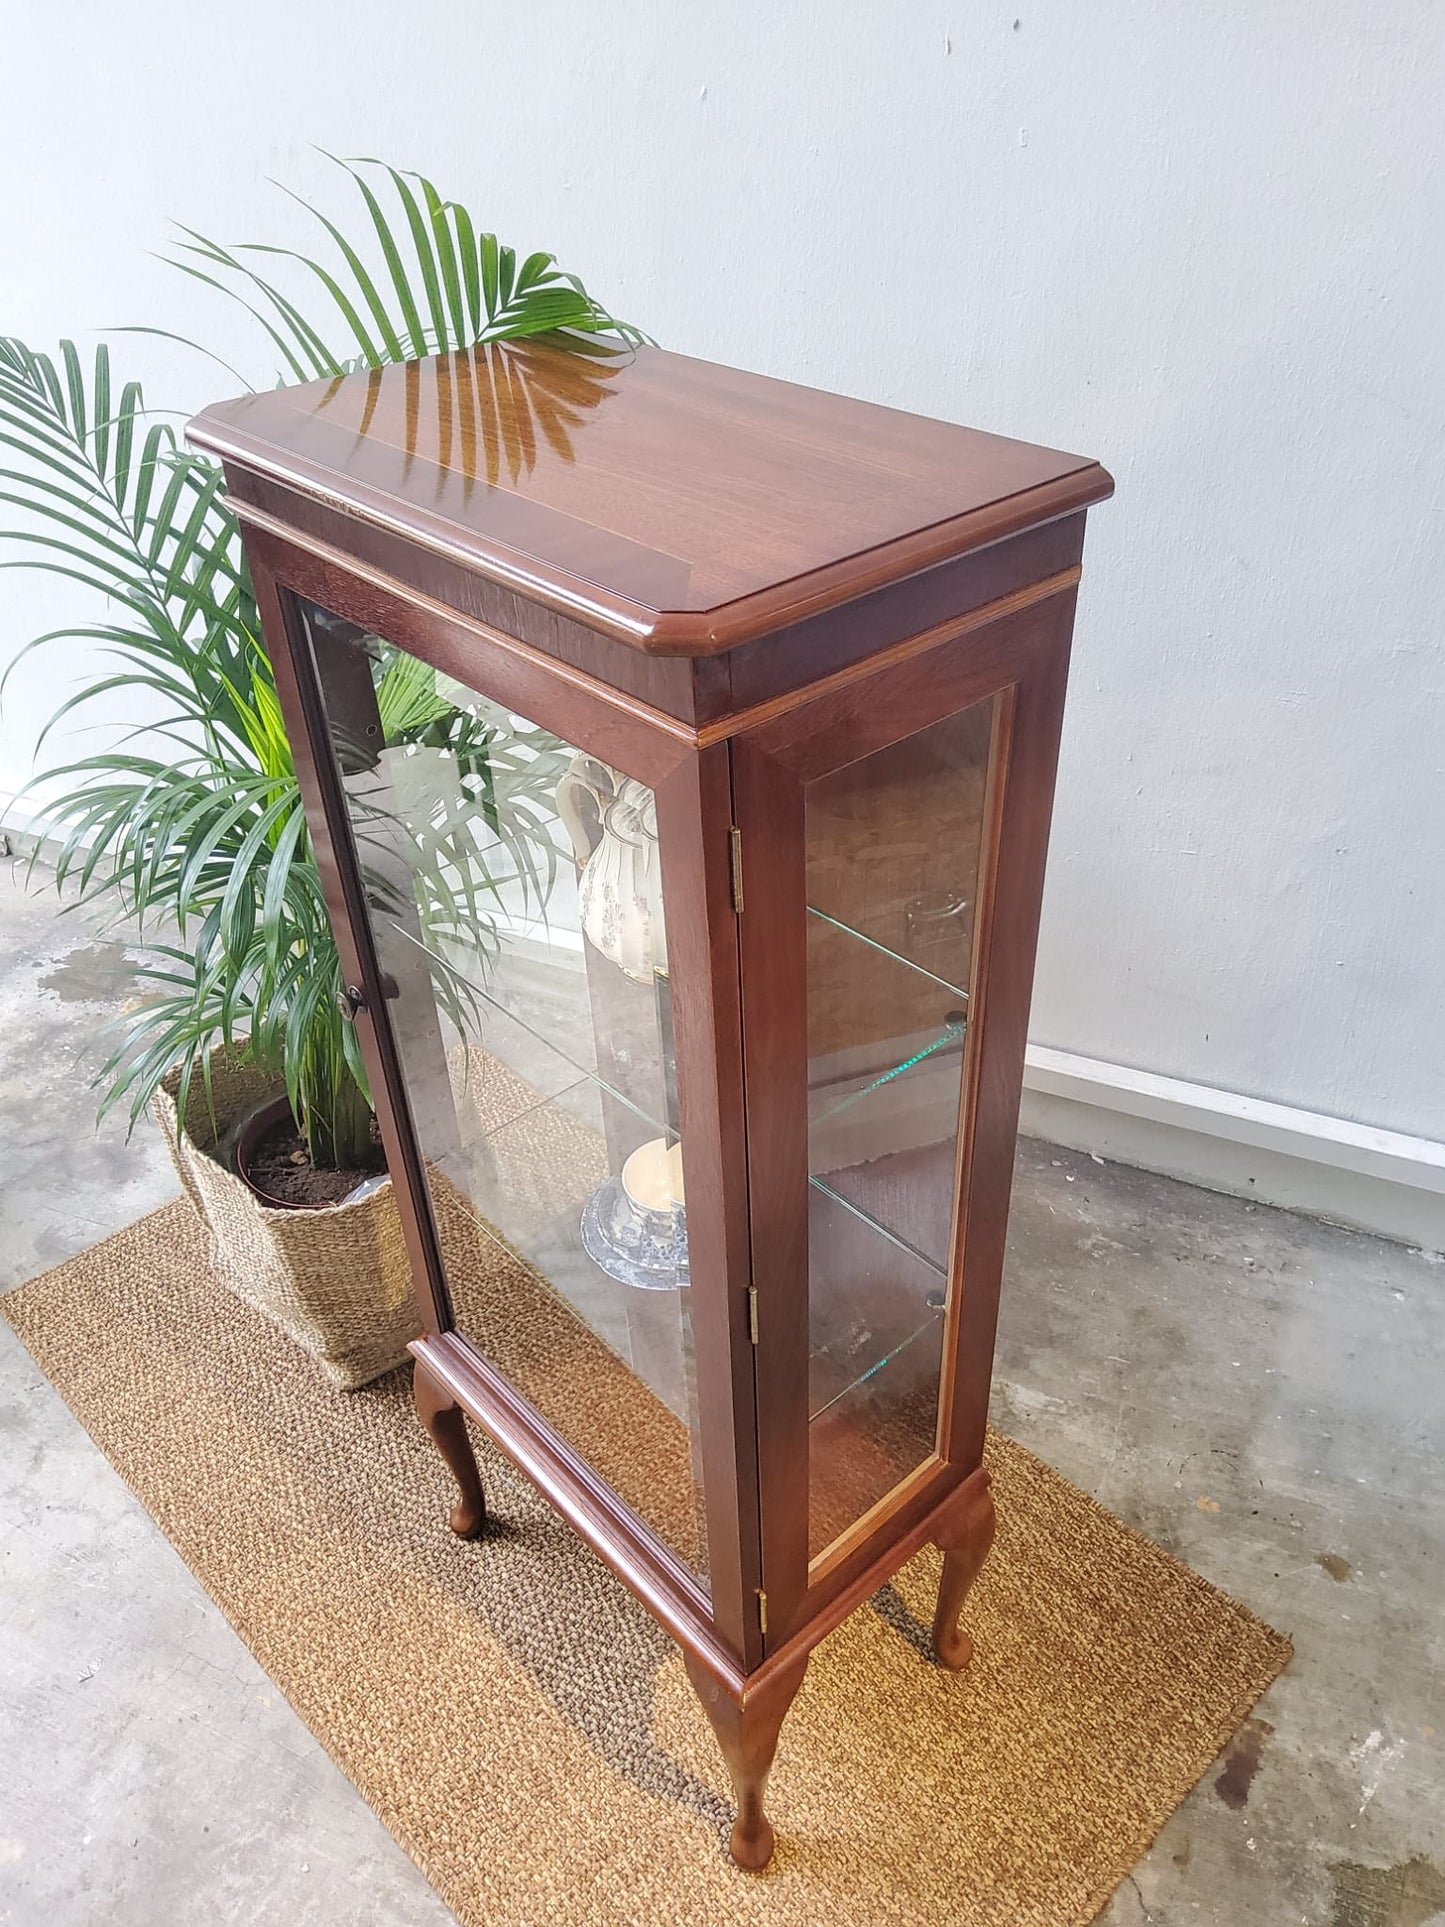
527 1732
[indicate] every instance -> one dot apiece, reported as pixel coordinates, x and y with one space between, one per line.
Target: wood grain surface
682 506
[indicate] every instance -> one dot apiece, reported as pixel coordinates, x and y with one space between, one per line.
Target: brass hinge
762 1612
735 851
753 1313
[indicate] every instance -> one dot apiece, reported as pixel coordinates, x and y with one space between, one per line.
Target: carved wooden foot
747 1732
965 1538
446 1422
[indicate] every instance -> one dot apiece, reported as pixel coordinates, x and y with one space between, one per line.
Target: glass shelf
531 1045
922 1332
876 1349
896 956
951 1034
883 1230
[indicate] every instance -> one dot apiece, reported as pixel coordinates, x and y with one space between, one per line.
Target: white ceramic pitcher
612 821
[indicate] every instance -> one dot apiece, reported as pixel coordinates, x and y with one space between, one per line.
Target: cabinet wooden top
681 506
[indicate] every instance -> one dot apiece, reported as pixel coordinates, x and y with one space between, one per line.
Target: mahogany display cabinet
689 941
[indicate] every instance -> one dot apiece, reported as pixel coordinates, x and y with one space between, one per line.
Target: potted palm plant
191 830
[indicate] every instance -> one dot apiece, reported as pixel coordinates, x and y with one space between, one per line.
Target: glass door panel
515 897
893 849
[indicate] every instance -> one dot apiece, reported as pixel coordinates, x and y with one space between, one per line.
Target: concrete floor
1258 1392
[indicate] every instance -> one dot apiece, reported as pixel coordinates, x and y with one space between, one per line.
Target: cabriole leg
447 1425
747 1731
965 1539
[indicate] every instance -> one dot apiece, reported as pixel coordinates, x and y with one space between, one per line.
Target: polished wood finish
728 588
918 644
965 1537
680 506
747 1726
694 815
560 698
446 1425
696 691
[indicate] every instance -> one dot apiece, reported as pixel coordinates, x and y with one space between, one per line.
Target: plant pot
334 1278
248 1137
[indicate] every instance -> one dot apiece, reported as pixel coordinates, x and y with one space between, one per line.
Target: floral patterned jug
612 821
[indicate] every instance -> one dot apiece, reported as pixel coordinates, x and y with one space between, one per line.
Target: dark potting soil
281 1167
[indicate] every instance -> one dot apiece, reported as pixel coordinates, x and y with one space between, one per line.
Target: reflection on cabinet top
678 505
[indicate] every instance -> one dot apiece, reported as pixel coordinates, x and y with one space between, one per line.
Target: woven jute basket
334 1279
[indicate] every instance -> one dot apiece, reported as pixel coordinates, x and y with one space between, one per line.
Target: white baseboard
1379 1181
23 823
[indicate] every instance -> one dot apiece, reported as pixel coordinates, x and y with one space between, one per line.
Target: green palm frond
435 284
192 829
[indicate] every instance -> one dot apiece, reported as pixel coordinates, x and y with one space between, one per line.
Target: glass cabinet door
516 902
893 852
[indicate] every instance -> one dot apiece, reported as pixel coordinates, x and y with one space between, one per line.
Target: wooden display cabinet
691 963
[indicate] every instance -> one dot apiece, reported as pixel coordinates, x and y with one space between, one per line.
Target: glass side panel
893 854
515 896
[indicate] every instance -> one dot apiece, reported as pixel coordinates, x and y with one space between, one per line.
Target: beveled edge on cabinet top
674 504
